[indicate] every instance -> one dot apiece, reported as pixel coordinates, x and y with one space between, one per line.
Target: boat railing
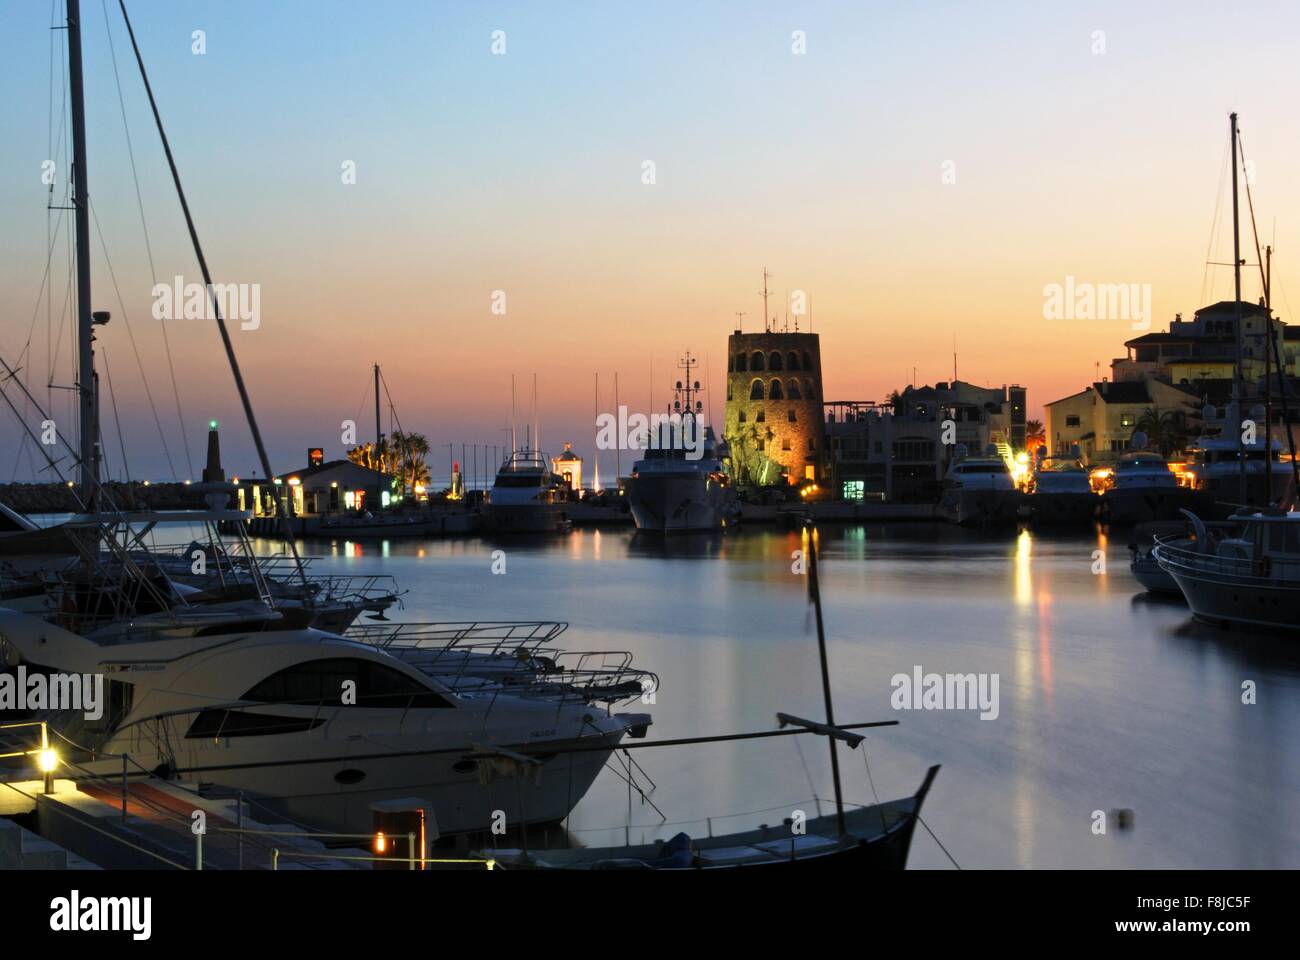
493 635
1210 566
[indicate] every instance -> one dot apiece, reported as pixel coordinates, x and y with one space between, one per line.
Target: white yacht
1139 487
680 484
979 490
1214 465
1251 577
1062 492
526 497
320 727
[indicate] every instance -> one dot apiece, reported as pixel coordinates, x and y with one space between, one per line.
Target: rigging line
44 291
144 379
148 244
937 840
121 441
216 304
811 787
1214 223
1254 228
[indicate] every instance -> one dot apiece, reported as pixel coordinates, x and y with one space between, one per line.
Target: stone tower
774 407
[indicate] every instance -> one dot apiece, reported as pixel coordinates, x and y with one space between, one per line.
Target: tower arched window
756 390
774 391
807 361
775 362
758 362
792 362
808 392
792 389
760 417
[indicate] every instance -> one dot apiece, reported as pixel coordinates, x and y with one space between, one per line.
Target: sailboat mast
1239 387
88 428
379 435
814 588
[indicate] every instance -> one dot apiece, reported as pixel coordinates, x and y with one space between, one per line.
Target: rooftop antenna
537 432
514 444
767 318
954 358
740 320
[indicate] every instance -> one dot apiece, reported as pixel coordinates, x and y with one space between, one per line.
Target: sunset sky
523 172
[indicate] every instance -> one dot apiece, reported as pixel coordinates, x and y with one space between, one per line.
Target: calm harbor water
1108 700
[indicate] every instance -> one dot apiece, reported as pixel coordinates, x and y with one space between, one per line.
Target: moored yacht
979 490
1251 577
680 483
1214 466
319 727
525 496
1061 492
1139 487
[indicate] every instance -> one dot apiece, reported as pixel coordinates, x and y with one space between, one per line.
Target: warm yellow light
47 760
1022 457
381 843
335 484
294 481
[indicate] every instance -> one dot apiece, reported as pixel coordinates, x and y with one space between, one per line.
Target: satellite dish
1139 440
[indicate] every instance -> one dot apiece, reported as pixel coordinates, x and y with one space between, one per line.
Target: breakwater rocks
58 497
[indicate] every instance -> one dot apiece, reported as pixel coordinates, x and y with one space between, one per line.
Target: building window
807 361
791 416
742 363
812 445
808 393
1072 420
1126 419
855 490
758 445
758 362
775 362
742 416
785 444
774 391
760 417
810 472
792 361
756 390
792 390
914 451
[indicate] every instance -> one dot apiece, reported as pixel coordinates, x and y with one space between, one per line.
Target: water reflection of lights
1024 574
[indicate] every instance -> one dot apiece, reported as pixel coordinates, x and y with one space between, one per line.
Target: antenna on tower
740 320
767 317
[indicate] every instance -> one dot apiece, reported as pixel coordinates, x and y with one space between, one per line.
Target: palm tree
1035 435
371 456
409 453
1166 429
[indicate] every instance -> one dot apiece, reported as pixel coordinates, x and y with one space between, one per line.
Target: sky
921 171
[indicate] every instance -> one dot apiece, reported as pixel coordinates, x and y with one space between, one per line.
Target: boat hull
1230 602
1062 508
320 786
679 502
1147 572
524 518
1143 504
980 508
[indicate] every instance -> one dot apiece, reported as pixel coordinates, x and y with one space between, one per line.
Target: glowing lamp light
47 760
381 843
212 424
294 481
